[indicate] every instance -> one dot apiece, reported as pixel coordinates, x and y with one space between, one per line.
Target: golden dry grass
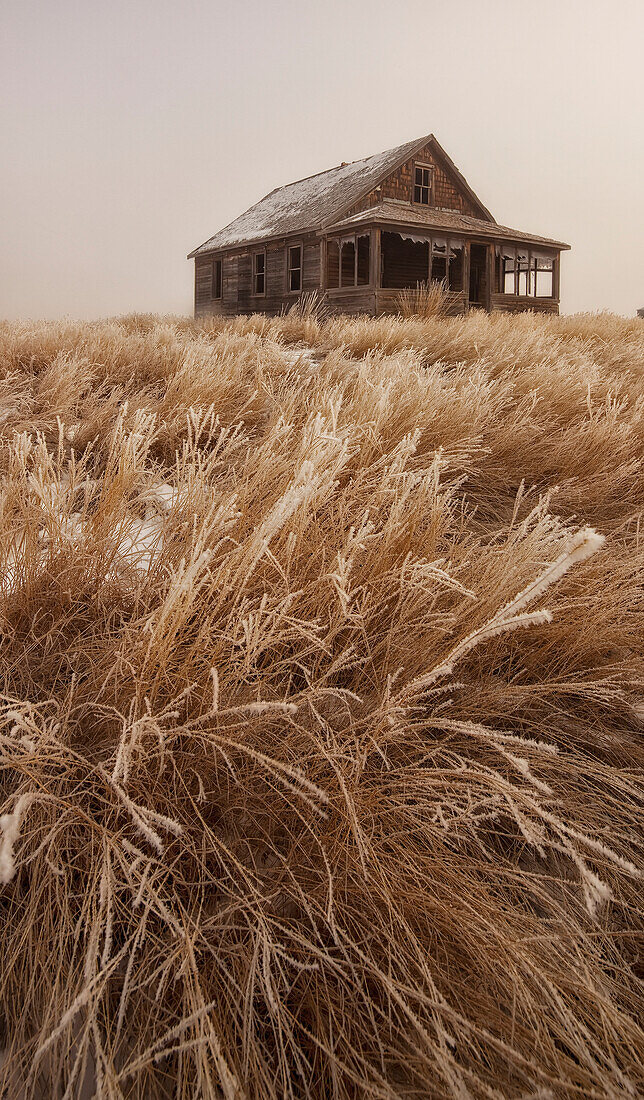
322 710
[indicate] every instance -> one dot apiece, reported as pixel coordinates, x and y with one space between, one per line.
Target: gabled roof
402 215
320 200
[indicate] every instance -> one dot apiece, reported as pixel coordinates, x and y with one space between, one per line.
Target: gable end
450 189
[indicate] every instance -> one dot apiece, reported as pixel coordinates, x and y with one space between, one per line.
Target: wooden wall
448 191
237 286
387 302
519 303
359 299
237 296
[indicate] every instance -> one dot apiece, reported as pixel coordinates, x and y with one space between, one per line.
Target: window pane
508 274
439 269
347 272
363 260
544 283
259 265
417 194
295 267
216 279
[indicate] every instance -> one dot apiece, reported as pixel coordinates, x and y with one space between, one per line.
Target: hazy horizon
134 131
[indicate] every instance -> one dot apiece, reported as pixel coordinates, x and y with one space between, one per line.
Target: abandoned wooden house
360 233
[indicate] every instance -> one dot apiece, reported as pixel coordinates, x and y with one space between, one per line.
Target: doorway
478 275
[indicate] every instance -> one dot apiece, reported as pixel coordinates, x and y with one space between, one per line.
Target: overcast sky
133 129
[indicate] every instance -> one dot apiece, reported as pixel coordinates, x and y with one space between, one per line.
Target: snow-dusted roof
430 217
312 202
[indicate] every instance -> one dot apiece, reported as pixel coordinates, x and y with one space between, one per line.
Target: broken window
333 263
522 273
347 262
422 184
529 274
259 273
542 276
405 260
363 260
295 267
455 275
508 257
439 260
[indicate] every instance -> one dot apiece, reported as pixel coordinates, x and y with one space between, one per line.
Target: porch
365 270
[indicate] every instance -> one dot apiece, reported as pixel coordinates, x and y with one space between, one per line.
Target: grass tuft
321 706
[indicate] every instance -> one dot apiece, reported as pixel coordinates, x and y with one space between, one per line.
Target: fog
133 130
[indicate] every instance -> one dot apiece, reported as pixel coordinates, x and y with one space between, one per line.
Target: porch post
375 266
489 276
555 276
466 275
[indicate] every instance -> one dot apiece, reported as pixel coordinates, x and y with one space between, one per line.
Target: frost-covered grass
321 707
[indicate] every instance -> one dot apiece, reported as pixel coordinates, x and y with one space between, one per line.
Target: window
439 260
259 273
529 274
455 274
363 261
348 262
405 260
215 290
422 184
507 271
543 276
295 267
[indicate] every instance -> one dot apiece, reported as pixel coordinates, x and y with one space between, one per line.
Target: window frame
513 267
254 292
300 245
213 281
424 167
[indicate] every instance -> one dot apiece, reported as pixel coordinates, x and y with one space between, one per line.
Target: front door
478 260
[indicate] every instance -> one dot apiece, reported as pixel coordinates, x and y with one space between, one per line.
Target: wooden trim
377 258
490 254
556 263
466 270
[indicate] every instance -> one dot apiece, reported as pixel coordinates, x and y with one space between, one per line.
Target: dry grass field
322 708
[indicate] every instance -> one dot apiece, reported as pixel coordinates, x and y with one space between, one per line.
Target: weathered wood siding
358 299
519 303
237 279
448 193
387 302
